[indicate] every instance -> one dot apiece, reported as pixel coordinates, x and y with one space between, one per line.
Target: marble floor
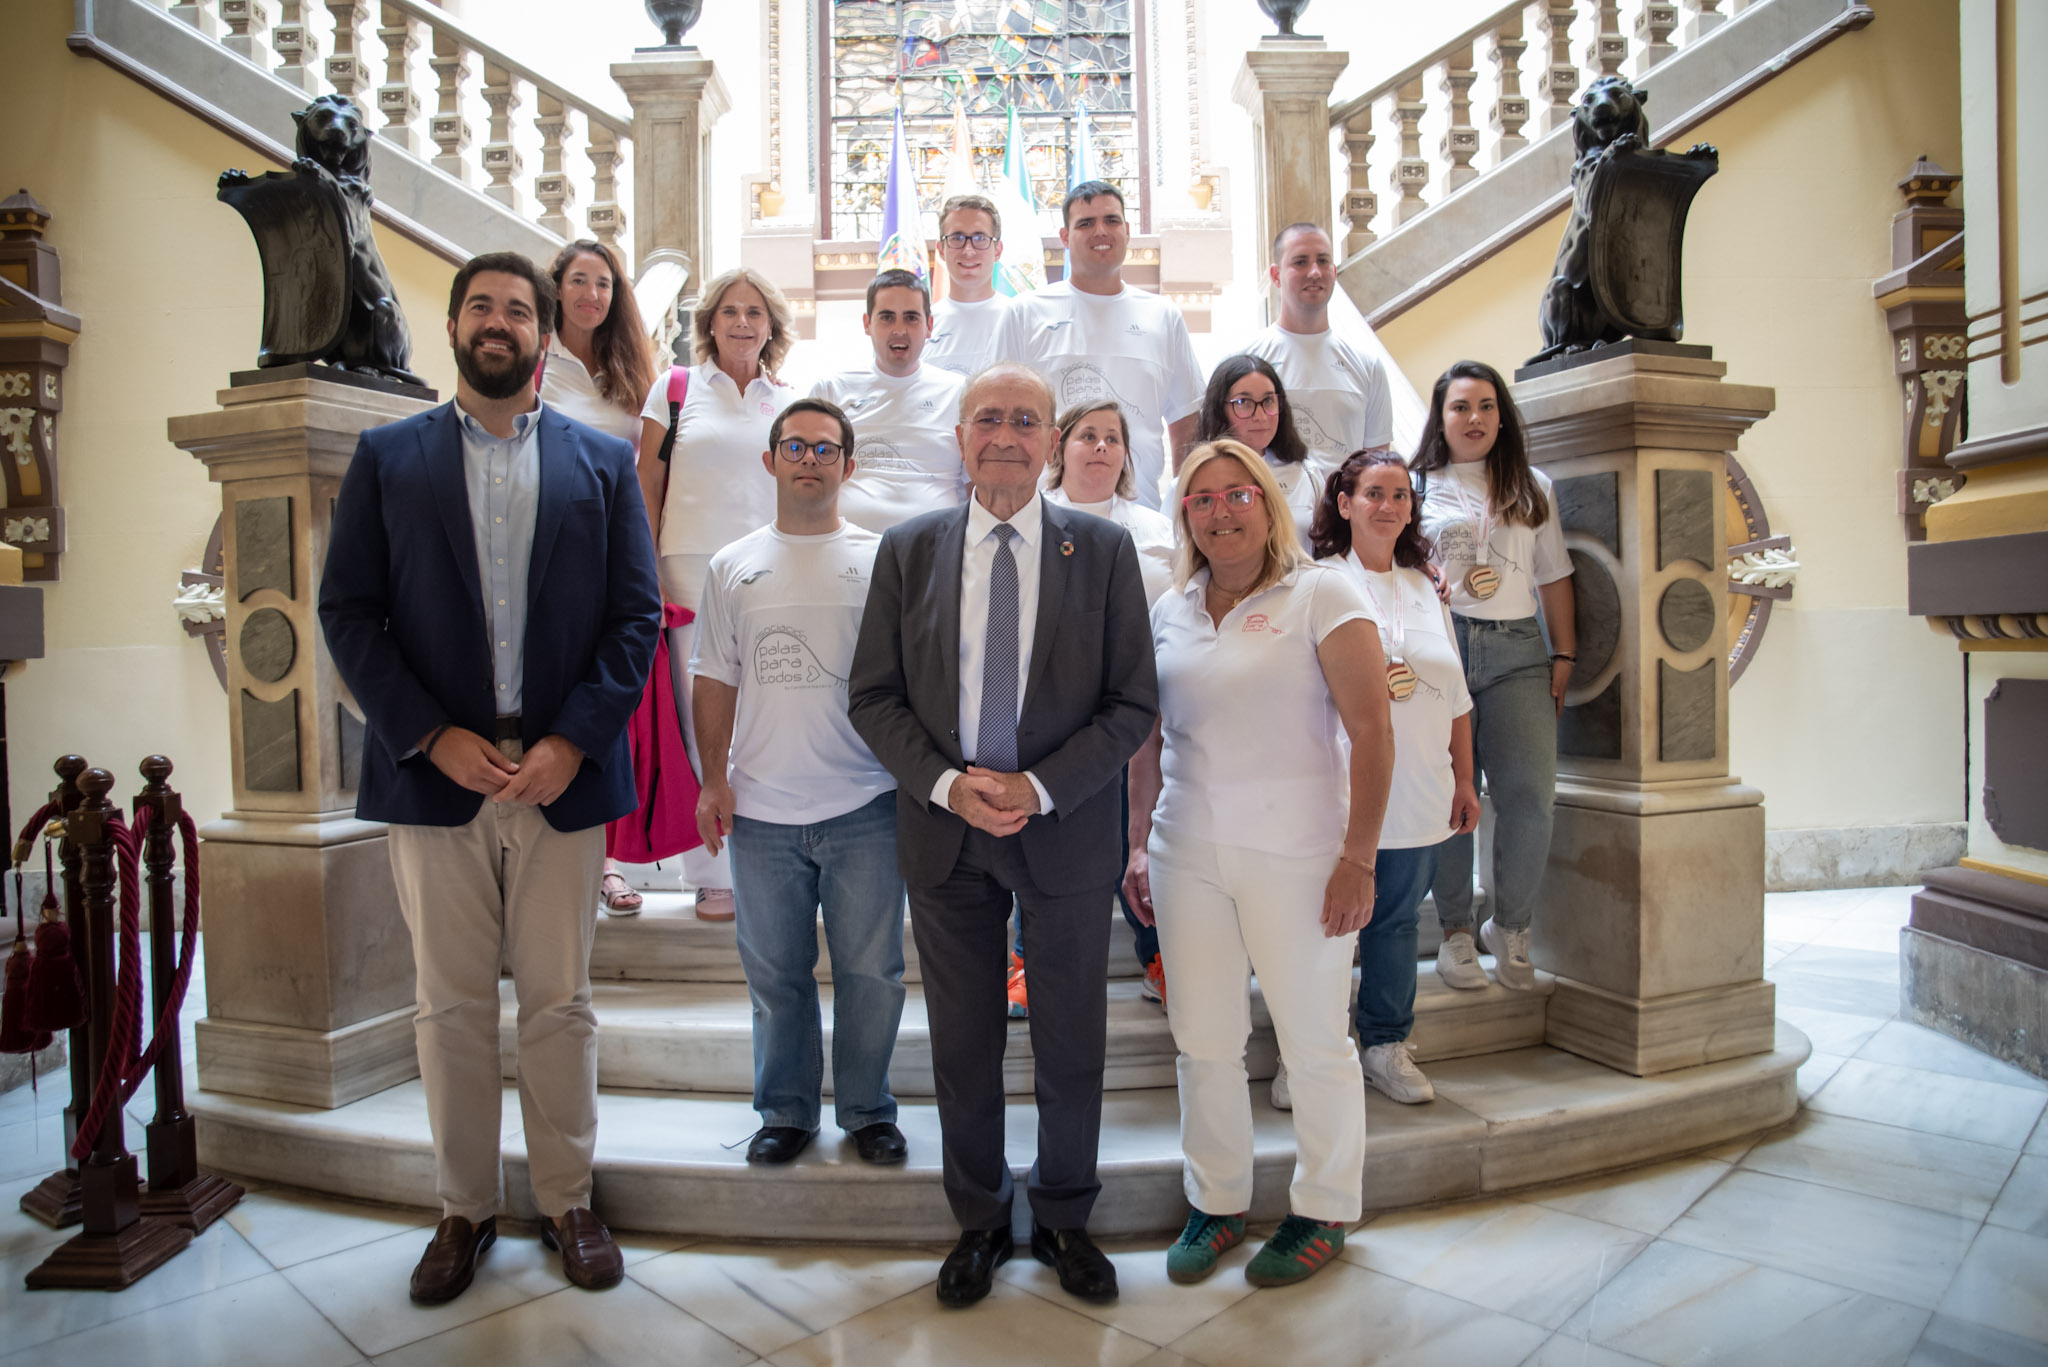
1901 1218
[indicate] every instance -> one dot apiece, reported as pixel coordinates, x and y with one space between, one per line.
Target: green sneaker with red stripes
1297 1250
1206 1239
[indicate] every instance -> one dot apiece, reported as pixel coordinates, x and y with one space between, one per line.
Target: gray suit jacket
1090 694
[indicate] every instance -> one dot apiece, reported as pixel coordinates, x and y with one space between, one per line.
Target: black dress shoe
445 1270
880 1142
777 1144
970 1269
1084 1269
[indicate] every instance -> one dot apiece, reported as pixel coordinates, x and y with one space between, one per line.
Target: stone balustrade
1433 127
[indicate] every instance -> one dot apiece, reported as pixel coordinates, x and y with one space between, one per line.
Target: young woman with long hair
1246 402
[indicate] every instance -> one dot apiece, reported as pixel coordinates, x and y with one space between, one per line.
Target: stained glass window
1047 57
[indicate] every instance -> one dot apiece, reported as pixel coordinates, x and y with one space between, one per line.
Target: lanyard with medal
1401 678
1482 581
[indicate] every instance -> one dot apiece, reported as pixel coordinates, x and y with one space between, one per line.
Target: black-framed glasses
1023 424
979 241
1241 405
821 452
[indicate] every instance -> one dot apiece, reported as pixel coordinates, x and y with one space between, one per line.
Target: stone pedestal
309 972
1285 86
677 95
1652 909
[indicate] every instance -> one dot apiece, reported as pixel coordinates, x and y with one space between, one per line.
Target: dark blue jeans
1386 947
782 876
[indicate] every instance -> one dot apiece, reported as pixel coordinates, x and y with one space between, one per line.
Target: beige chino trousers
506 888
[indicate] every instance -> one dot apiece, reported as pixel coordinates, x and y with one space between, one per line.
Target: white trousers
1226 913
506 888
682 583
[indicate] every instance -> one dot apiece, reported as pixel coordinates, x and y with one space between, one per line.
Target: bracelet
1564 655
434 738
1347 859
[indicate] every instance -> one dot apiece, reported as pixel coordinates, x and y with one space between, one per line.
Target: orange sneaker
1019 1007
1154 986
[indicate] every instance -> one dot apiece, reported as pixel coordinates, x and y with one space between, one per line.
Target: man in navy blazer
490 599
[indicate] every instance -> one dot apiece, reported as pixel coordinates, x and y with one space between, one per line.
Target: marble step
1501 1121
698 1036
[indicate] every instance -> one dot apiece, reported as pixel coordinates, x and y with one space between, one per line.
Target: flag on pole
902 223
1022 268
960 170
1080 158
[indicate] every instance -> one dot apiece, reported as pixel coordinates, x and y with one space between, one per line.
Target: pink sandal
620 901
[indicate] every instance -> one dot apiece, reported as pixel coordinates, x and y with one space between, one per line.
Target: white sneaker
1510 949
1283 1100
1388 1068
1457 963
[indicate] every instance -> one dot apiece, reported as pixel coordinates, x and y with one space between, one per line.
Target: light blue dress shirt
503 477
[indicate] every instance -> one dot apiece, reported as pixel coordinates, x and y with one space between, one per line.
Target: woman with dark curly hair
1246 402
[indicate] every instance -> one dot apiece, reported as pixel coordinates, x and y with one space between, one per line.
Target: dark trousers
960 927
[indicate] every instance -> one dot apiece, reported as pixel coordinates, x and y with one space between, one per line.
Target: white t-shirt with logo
1131 347
717 490
1338 393
1455 505
570 390
906 456
1416 627
1151 533
963 336
1302 483
778 621
1255 752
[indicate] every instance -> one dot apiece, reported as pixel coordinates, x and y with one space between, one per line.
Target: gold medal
1482 581
1401 680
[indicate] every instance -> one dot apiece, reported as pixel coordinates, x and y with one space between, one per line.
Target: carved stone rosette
1922 299
36 334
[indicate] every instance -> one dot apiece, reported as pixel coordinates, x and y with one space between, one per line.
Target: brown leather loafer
589 1257
445 1269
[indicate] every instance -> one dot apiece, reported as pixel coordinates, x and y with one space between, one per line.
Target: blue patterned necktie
995 736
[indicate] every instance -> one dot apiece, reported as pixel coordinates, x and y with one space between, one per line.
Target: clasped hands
478 765
995 802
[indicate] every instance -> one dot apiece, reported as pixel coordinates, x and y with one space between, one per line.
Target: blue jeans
782 875
1514 746
1386 947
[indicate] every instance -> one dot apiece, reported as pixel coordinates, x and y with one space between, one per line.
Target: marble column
309 971
676 95
1652 909
1285 86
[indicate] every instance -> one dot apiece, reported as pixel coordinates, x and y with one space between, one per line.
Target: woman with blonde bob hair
702 432
1247 855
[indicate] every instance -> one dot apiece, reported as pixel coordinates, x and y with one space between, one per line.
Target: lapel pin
1066 548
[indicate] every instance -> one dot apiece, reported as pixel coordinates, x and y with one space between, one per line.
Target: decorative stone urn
673 18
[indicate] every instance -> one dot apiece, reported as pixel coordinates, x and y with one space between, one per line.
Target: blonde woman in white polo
1245 853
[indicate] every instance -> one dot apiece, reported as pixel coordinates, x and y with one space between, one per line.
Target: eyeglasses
825 453
1241 405
1238 496
979 241
1023 424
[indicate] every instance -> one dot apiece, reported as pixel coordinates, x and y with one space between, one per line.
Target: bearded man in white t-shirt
810 811
971 245
906 458
1096 339
1339 394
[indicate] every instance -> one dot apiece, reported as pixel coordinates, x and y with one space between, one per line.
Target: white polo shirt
572 391
1338 393
1456 512
963 336
1132 347
1416 627
778 621
717 490
906 455
1150 532
1255 753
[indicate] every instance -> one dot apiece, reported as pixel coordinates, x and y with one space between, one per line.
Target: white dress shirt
502 477
977 564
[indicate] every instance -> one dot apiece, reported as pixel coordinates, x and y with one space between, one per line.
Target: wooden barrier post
55 1200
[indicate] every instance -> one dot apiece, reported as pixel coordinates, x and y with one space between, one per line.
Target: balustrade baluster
1704 17
502 162
1361 205
199 14
451 131
345 69
1654 23
551 187
1560 79
1609 49
248 24
1411 172
1511 109
1461 140
298 50
397 101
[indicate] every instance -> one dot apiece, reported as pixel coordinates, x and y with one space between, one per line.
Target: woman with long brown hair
1494 522
1246 402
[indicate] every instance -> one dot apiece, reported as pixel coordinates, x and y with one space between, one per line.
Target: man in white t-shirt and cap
906 457
971 245
1339 394
1095 338
809 810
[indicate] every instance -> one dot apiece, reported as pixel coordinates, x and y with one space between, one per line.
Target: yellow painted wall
1852 712
166 280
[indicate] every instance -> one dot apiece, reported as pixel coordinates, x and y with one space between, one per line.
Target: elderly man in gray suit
1004 675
